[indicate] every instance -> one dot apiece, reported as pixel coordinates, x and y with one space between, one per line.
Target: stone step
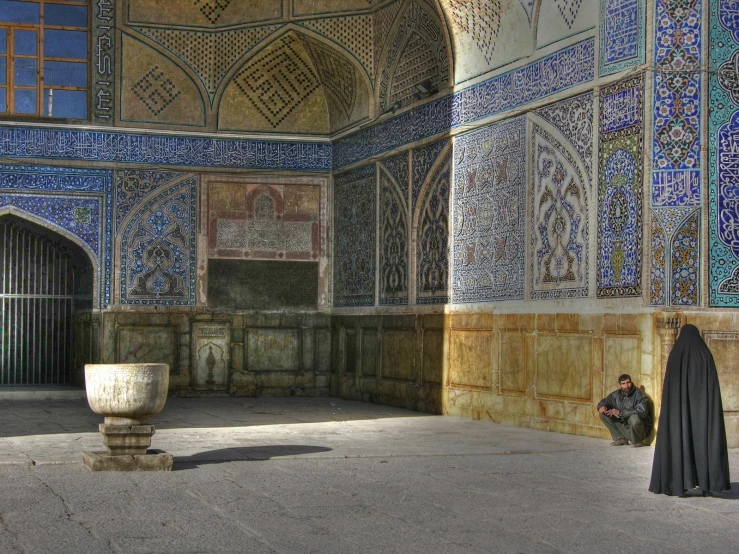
42 392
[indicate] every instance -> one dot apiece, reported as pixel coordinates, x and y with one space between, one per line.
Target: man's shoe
619 442
637 444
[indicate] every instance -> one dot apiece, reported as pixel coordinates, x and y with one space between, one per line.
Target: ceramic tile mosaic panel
422 161
622 35
432 240
675 194
723 233
397 166
133 185
574 119
264 222
67 144
354 237
489 207
559 220
559 71
393 234
87 217
158 254
103 67
620 176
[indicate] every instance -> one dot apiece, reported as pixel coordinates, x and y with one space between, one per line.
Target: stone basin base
152 461
128 440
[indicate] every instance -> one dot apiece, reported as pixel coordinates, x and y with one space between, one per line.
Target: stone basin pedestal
127 395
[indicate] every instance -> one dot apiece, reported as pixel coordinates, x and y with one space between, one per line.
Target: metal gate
38 304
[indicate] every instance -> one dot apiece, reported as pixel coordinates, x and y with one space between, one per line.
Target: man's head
625 383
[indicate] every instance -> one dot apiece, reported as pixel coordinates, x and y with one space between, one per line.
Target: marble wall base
543 371
242 354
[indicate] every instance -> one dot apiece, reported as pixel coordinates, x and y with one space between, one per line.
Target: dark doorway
44 280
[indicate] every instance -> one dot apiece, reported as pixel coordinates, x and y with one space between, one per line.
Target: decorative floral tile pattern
159 248
87 217
620 225
489 206
559 220
723 143
676 147
354 237
549 75
393 234
432 241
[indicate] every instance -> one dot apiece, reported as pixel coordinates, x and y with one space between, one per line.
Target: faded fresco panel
264 222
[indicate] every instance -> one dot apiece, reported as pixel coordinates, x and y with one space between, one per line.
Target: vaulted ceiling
317 67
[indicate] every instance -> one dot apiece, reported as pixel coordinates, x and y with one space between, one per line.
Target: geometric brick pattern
155 90
209 54
353 33
278 80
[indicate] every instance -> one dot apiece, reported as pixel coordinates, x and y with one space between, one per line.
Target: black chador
691 438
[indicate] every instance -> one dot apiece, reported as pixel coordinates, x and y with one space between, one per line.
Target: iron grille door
37 296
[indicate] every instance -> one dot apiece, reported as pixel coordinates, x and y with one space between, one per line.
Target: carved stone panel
512 362
273 349
211 349
621 354
564 366
725 350
398 355
433 356
153 344
471 357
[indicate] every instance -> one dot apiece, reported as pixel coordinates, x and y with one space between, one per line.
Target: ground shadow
48 417
245 454
732 494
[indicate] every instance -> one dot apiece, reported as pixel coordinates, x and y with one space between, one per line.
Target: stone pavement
327 475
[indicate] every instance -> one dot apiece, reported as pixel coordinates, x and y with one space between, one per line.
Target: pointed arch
71 237
394 241
157 247
431 233
416 61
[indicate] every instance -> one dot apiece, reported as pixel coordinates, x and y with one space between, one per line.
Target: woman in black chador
691 438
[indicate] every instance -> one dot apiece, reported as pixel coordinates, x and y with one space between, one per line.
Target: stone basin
126 394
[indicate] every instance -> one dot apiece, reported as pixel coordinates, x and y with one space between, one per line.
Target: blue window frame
44 58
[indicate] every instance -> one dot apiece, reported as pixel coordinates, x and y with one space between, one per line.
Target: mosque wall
580 218
479 208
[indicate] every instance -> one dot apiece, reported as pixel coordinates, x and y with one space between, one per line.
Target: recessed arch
24 215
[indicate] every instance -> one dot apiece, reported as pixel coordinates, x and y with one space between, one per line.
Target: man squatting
625 412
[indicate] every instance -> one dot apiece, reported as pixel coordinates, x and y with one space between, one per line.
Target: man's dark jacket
635 403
